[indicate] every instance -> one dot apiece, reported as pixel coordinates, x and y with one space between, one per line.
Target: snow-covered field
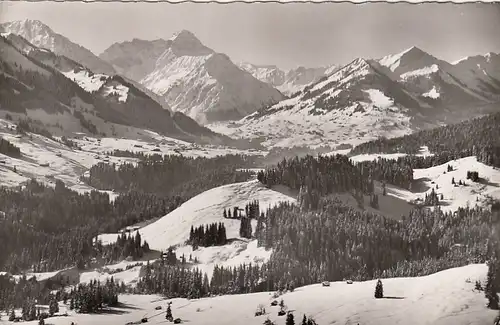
444 298
129 277
472 193
424 152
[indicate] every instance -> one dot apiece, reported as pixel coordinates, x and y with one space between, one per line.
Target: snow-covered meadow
445 298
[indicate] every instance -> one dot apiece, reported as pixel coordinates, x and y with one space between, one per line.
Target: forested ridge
476 137
170 174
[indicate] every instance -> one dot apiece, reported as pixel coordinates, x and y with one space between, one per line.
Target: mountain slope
37 79
43 36
288 82
206 208
193 79
481 73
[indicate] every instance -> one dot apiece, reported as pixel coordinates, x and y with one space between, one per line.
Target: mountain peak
185 42
412 58
28 25
184 35
40 35
413 49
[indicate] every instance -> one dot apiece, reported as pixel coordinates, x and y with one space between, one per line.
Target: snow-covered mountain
135 59
356 102
286 81
193 78
436 81
366 99
42 36
480 72
71 98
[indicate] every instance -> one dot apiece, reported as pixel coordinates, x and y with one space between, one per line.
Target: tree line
170 174
124 247
475 137
208 235
9 149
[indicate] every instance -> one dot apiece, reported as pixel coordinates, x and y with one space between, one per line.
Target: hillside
206 208
192 78
448 298
439 179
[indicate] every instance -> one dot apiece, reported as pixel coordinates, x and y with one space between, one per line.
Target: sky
286 35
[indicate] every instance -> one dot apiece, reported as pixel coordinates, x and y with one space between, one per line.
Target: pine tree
32 312
289 319
379 290
12 315
268 322
169 313
490 290
311 321
304 320
53 307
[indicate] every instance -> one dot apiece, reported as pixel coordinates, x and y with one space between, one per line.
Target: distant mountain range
363 100
69 97
288 82
367 99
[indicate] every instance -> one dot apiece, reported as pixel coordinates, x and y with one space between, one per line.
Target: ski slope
444 298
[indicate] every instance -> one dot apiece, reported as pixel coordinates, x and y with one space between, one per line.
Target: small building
70 276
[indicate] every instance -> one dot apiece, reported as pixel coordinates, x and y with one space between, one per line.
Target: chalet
70 276
459 248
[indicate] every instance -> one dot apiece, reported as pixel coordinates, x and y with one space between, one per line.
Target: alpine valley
160 182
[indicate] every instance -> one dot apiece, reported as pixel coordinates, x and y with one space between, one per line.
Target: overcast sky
287 35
